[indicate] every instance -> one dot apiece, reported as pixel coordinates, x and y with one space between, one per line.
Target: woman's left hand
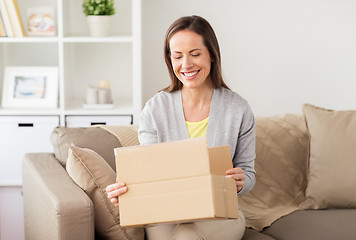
238 175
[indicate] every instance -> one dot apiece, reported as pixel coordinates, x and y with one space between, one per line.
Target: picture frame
34 87
41 21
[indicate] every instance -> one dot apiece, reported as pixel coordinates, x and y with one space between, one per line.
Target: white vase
99 26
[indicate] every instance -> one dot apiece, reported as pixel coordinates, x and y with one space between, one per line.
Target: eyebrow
195 49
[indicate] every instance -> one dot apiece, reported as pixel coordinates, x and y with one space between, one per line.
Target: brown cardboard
175 181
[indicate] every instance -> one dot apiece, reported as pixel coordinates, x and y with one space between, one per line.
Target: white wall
277 54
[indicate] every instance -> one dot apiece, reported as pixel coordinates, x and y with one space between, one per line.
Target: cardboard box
175 182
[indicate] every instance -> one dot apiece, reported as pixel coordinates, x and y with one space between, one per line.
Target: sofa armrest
54 206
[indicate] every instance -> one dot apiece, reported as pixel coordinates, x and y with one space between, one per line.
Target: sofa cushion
97 139
331 178
92 173
251 234
328 224
281 170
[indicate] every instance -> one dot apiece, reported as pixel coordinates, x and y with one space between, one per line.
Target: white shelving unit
81 59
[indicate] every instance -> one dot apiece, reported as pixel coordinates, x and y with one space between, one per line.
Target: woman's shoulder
230 96
234 103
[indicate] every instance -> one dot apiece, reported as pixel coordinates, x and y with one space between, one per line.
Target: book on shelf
2 28
15 18
6 19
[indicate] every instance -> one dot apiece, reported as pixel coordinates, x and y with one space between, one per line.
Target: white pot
99 26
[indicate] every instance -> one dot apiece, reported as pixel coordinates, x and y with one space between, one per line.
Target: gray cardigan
231 122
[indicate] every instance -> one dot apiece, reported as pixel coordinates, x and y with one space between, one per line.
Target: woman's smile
191 74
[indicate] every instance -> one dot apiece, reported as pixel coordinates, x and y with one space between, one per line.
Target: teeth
190 74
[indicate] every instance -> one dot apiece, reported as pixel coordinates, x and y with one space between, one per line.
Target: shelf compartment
24 5
75 21
86 63
21 54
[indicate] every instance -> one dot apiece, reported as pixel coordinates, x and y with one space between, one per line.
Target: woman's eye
196 55
177 57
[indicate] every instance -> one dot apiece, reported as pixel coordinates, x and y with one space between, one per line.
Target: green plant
98 7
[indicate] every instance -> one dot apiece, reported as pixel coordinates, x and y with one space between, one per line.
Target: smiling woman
198 103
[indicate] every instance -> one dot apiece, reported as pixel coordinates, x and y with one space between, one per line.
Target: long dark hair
202 27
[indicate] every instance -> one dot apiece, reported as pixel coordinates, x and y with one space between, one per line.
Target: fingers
115 201
114 191
114 186
238 175
236 170
239 185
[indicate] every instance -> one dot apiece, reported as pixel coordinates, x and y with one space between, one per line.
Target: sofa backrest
97 139
282 153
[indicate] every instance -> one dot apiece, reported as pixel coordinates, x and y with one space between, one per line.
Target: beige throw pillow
92 173
332 166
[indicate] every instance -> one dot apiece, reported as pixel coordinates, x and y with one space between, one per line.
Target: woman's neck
196 103
198 96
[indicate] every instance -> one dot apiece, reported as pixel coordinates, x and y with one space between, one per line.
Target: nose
187 62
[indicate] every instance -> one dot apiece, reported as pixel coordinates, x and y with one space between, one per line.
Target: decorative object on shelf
99 97
98 14
40 21
30 87
104 92
92 95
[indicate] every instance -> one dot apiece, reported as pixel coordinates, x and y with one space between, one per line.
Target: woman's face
190 59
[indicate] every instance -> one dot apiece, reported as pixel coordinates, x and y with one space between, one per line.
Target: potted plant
99 14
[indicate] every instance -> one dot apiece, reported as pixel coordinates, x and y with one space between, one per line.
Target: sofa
305 181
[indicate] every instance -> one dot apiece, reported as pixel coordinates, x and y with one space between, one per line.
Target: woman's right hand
114 191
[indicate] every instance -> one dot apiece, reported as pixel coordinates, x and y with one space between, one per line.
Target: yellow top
197 129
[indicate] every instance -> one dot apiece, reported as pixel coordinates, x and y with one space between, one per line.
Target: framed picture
40 21
30 87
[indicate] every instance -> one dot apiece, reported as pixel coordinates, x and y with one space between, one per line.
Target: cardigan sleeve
147 132
245 150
